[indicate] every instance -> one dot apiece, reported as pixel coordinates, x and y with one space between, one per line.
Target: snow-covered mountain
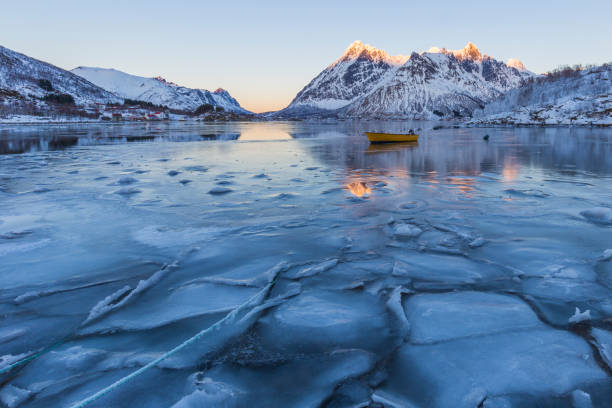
569 96
439 83
359 70
22 74
157 91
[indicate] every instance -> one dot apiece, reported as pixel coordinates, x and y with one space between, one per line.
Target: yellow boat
375 137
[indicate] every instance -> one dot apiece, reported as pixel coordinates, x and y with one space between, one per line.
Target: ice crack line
256 299
114 301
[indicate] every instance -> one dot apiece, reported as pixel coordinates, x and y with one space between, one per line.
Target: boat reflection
391 147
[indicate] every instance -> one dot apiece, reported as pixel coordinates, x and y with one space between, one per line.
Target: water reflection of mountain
46 142
17 140
24 145
31 138
462 151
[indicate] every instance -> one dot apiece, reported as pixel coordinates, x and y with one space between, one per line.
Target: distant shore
37 120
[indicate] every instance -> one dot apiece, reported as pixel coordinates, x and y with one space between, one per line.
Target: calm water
443 273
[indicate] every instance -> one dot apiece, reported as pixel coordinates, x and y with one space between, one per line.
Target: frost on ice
579 316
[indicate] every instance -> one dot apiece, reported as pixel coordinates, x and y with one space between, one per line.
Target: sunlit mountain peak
515 63
359 50
469 52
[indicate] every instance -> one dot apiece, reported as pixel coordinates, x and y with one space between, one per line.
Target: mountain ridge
438 83
23 74
364 82
157 90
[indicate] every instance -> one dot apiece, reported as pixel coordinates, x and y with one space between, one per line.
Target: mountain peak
355 45
470 51
359 50
437 84
515 63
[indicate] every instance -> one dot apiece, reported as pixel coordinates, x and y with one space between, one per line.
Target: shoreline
463 125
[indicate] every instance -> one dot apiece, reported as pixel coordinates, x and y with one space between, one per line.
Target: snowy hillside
581 97
157 90
22 74
439 83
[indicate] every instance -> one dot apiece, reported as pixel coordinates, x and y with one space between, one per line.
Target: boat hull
391 137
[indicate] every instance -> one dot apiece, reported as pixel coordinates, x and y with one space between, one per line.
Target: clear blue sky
264 52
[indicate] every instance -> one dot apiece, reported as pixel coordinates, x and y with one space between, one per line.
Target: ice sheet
418 275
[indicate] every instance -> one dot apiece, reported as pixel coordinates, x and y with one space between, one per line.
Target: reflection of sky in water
265 131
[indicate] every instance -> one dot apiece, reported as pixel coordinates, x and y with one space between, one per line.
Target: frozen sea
312 268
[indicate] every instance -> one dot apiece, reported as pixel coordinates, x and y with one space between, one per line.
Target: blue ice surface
442 274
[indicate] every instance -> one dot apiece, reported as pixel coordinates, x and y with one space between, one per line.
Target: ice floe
581 399
466 371
12 396
166 237
198 169
406 231
598 215
182 303
219 190
446 268
9 359
395 305
319 320
17 247
564 289
128 191
603 340
443 317
211 393
312 270
127 180
318 377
